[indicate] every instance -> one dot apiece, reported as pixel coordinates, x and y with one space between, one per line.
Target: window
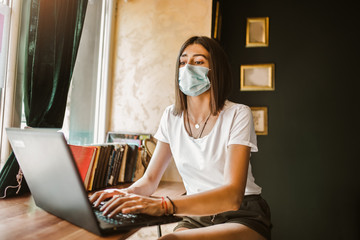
87 109
86 114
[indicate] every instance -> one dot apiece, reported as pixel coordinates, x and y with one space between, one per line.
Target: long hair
219 75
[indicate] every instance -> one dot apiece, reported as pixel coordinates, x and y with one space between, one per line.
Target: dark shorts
253 213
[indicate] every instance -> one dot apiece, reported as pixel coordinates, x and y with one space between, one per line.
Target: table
20 218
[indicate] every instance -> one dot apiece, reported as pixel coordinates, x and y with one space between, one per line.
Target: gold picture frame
257 77
257 32
217 21
260 117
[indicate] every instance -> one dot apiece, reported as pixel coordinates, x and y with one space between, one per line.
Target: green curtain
53 39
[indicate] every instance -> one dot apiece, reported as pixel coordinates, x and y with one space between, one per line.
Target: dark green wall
308 164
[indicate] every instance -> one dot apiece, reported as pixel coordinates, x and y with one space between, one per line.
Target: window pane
84 81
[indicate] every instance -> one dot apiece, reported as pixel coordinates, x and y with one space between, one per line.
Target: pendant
197 126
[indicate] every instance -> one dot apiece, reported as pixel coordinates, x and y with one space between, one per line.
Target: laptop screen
52 176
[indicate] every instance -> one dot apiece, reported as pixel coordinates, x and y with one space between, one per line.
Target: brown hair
219 75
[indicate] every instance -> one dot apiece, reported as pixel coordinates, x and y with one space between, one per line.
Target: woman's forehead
195 49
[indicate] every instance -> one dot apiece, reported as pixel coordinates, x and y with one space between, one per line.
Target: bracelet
163 203
173 205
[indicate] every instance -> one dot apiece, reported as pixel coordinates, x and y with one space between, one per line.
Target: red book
83 156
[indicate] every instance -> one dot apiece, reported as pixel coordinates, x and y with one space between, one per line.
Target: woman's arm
225 198
147 185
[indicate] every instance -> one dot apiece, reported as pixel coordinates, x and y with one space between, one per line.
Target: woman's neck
198 119
199 107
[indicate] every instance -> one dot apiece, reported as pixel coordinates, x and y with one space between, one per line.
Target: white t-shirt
201 161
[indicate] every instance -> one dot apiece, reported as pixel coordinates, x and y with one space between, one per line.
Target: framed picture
257 32
4 40
260 117
257 77
129 138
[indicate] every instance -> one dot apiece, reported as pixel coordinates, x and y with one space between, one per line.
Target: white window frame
101 101
102 108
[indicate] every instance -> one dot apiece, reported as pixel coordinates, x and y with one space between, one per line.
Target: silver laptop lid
52 176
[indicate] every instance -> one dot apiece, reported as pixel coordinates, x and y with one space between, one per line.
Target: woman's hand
100 196
132 203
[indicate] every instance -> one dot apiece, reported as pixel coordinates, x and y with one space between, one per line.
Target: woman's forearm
225 198
147 185
144 186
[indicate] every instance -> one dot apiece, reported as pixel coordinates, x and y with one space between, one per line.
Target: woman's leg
221 231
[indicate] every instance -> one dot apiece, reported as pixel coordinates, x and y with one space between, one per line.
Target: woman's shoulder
169 112
235 107
170 109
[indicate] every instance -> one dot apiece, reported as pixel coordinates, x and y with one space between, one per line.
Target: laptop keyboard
118 219
122 219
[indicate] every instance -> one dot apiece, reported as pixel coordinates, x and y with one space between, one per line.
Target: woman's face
195 54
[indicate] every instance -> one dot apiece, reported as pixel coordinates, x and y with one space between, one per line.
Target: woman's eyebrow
195 55
200 55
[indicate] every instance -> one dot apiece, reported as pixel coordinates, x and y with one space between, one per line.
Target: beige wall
149 34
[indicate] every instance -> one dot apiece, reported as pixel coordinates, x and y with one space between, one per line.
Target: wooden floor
20 218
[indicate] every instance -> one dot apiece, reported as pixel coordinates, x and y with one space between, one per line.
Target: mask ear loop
19 178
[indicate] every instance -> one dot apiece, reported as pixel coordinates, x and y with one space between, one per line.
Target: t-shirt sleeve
242 129
162 133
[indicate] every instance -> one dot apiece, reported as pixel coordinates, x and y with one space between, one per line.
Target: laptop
56 186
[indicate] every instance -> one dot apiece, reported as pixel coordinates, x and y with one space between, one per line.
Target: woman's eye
199 62
182 63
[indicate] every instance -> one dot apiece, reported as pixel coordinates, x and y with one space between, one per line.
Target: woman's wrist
129 190
172 205
167 206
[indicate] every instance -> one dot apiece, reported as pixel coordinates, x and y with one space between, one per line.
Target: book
89 172
106 160
130 162
118 165
93 170
110 167
83 156
123 165
108 164
99 168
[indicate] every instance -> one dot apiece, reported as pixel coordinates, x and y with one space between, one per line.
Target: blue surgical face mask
193 80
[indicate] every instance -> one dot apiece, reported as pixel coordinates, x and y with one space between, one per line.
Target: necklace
197 126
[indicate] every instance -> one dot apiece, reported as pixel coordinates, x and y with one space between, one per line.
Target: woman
210 139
